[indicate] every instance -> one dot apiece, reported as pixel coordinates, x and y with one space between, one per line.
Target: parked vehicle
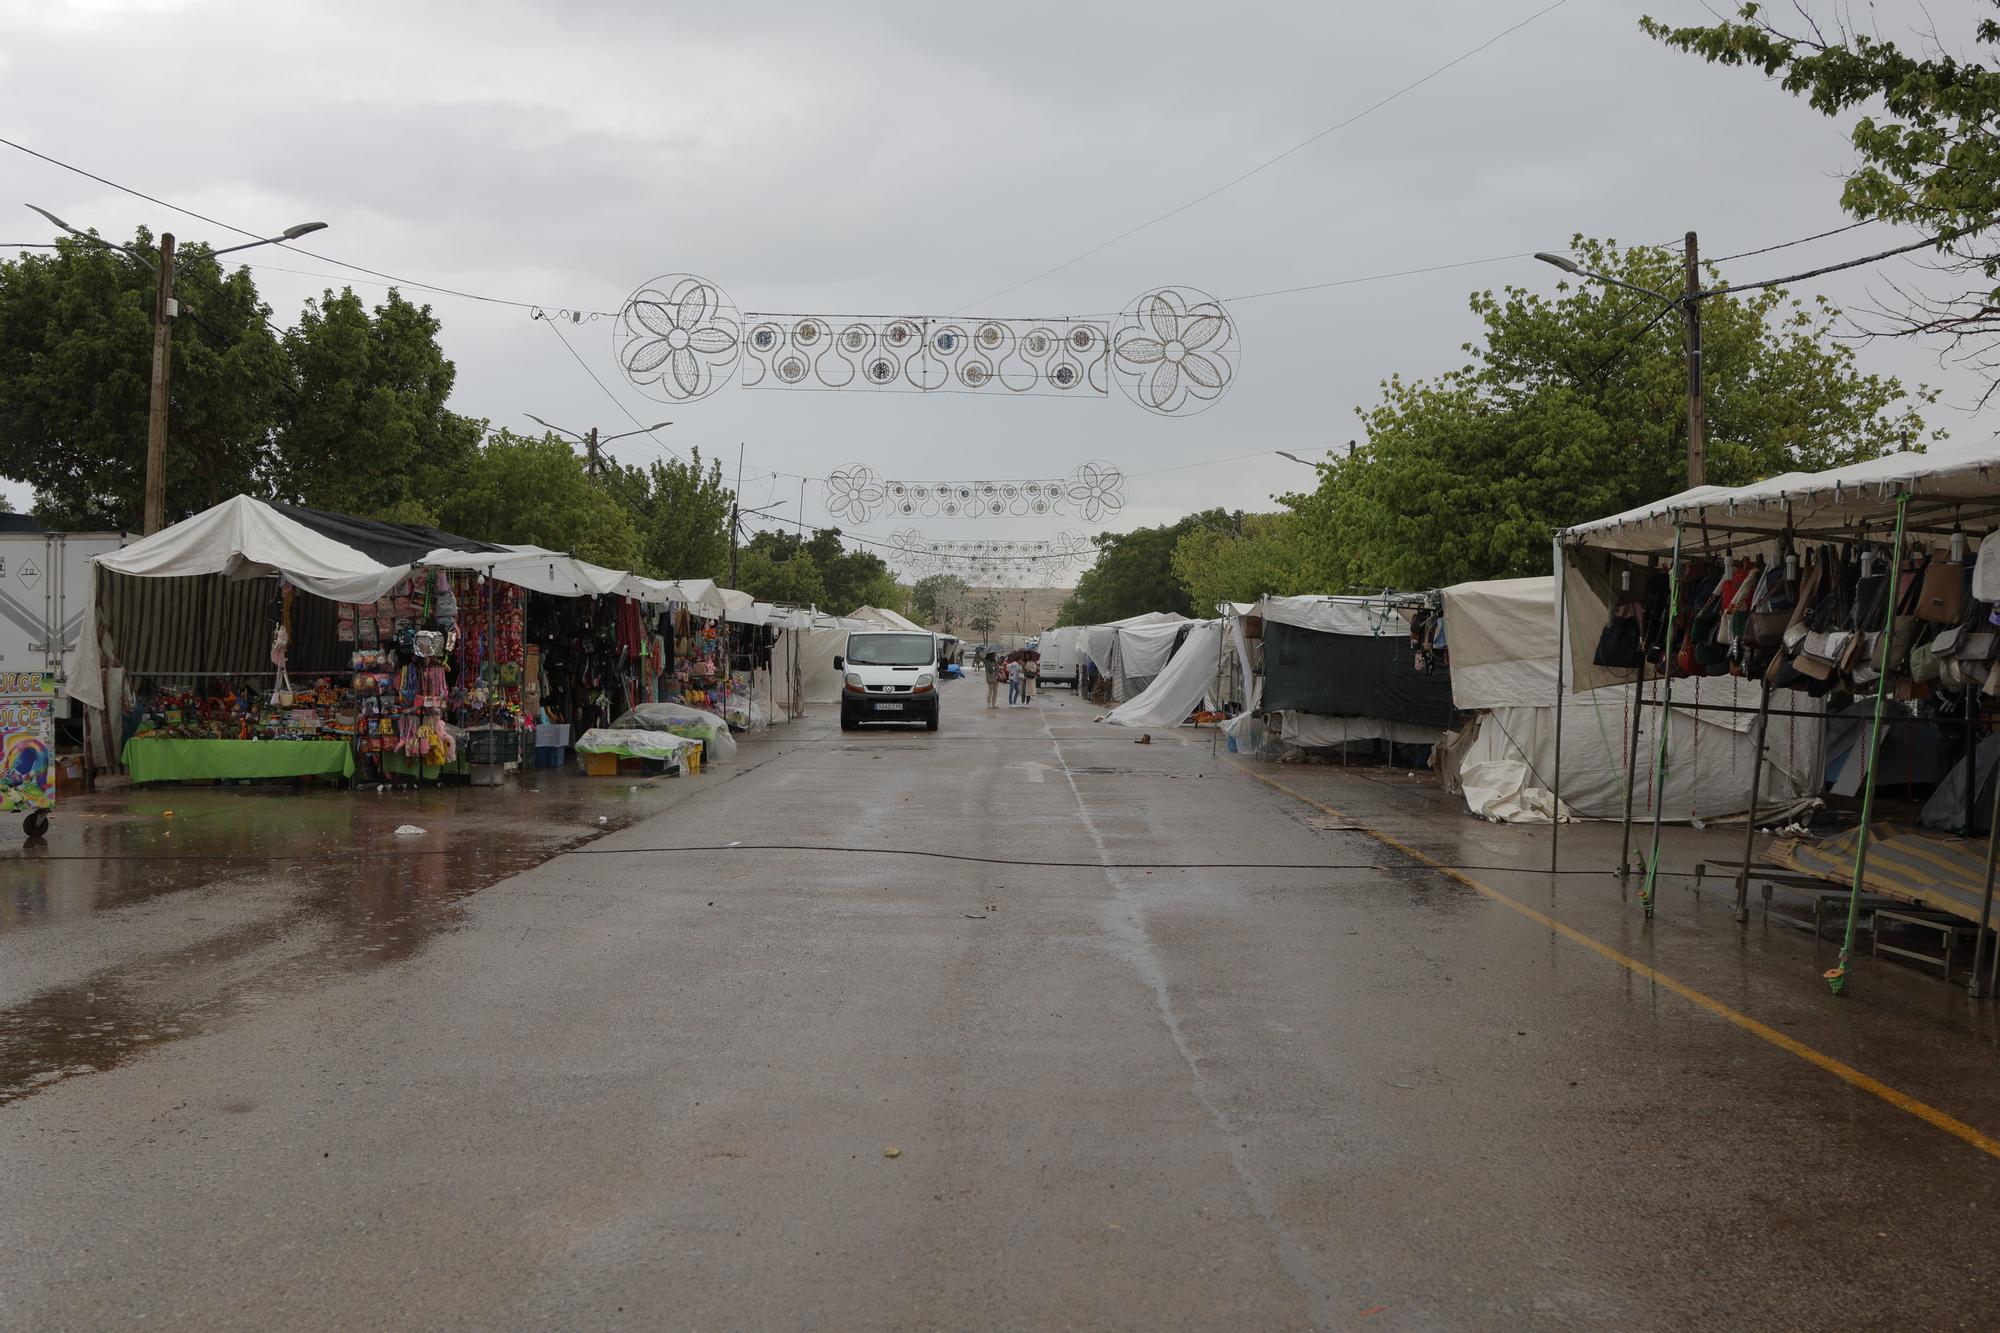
44 583
888 676
1060 657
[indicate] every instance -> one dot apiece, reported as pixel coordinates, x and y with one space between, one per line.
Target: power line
1783 245
1272 161
310 254
615 401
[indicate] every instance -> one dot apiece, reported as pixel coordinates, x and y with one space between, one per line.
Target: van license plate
888 708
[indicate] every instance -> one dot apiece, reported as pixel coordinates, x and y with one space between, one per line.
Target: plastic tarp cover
1142 653
243 537
1503 642
1332 673
633 743
1709 755
1363 617
1312 731
1849 496
1181 685
680 720
889 618
1946 810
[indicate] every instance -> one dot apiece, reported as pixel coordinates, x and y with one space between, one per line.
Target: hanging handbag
1770 608
1946 643
1924 664
1942 597
1619 645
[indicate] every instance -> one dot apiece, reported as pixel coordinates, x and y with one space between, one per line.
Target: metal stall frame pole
1756 778
1649 889
1632 755
1836 976
1973 987
1556 813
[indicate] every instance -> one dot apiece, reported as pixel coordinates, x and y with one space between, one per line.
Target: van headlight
926 680
854 682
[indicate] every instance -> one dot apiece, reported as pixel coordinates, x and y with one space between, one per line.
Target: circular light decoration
678 338
1175 351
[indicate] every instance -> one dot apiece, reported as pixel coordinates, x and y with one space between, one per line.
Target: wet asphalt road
629 1086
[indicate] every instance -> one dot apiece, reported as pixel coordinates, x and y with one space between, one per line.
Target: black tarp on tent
1308 671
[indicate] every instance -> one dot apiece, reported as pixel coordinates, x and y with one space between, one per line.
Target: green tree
982 613
681 511
535 491
1266 555
367 428
938 599
1134 572
850 579
1574 407
76 355
1928 152
794 580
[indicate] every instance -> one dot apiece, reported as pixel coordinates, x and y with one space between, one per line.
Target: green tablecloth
158 759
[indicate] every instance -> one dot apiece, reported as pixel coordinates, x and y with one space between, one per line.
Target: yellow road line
1847 1073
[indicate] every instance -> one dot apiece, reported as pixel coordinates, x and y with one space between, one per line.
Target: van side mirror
839 662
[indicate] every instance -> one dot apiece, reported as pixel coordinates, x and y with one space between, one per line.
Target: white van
1059 657
888 676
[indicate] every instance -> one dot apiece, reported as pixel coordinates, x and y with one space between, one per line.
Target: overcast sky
846 158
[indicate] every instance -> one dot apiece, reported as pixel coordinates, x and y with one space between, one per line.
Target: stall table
164 759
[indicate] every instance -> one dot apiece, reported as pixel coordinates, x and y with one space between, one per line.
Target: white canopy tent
244 538
1181 685
1502 635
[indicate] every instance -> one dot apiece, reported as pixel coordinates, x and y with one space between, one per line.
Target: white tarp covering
1842 497
1502 634
1142 653
889 618
1708 760
245 538
1317 731
1369 617
1099 643
1181 684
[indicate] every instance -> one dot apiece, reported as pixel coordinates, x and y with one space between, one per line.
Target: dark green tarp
1334 674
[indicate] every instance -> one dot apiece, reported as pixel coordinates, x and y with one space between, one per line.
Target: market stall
1341 669
1858 583
258 640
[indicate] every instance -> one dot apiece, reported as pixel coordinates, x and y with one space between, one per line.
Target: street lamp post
1689 304
165 310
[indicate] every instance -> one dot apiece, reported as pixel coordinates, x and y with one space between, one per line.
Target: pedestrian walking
992 682
1030 671
1013 683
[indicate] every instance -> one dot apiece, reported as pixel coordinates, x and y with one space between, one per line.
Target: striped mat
1912 864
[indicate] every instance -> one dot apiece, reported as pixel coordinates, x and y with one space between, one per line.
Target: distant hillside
1024 612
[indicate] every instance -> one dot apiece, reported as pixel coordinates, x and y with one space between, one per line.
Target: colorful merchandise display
27 775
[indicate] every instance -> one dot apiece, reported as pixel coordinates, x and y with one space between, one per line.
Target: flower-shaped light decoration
855 494
1176 351
678 338
1095 490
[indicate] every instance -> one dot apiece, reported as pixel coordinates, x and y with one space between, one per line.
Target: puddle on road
346 895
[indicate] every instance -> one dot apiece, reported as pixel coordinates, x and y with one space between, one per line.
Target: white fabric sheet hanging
1180 686
1503 642
1709 755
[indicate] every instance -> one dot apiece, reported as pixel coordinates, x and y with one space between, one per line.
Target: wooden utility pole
1697 416
156 418
735 508
590 453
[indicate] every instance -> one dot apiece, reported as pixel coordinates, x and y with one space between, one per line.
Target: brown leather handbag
1942 598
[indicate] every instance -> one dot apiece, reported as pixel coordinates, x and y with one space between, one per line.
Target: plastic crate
492 745
548 756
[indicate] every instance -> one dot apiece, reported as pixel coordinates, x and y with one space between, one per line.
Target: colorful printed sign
27 741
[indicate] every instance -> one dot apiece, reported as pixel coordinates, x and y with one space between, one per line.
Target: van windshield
890 649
